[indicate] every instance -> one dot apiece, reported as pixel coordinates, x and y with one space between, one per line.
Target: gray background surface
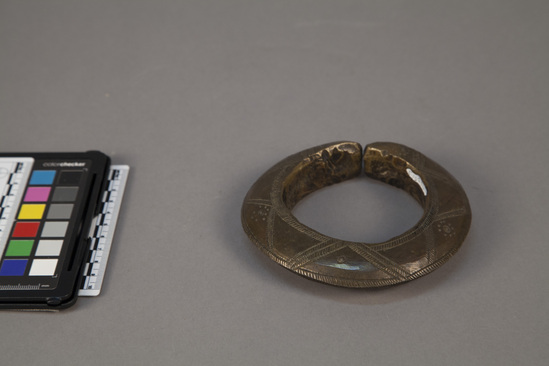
200 97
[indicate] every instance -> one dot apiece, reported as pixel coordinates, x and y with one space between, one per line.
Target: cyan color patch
42 177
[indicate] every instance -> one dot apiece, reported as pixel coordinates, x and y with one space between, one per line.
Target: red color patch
25 229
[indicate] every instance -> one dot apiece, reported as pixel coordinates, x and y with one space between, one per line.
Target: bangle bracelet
268 221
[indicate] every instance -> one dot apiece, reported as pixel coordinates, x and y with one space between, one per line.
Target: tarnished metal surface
268 221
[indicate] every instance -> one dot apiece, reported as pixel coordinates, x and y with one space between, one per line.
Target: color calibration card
57 211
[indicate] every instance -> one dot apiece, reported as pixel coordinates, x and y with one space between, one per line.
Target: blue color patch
42 177
13 267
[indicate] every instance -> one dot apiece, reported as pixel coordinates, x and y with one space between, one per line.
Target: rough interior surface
323 168
339 162
388 163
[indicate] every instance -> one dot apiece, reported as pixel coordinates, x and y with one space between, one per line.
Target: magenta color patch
37 194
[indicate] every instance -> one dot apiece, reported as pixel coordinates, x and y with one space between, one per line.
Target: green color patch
19 248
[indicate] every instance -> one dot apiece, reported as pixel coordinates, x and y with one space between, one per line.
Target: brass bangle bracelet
268 221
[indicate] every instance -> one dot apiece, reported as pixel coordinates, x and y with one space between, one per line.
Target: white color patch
43 267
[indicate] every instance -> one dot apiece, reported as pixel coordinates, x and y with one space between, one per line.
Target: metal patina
267 215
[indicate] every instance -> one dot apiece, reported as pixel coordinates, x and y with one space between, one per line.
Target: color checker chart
49 204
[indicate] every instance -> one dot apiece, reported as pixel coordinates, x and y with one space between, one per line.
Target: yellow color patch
31 212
